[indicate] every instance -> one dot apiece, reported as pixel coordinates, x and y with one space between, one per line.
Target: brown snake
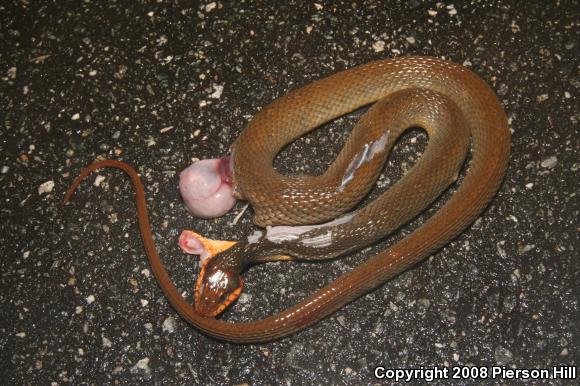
450 102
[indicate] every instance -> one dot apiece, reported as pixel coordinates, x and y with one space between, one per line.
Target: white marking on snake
366 154
323 240
279 234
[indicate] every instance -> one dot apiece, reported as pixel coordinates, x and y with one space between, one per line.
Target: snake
460 113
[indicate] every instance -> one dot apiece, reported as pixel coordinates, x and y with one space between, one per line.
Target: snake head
217 287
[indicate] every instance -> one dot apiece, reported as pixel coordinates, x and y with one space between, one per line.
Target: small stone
217 93
75 117
142 365
90 299
503 356
169 325
98 180
379 46
526 248
11 73
245 298
46 187
106 342
549 162
515 275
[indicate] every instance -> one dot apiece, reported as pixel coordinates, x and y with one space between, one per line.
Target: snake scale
456 108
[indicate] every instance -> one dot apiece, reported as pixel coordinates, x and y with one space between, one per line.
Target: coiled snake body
451 103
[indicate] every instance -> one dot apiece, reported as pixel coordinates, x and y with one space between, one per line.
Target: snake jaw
216 289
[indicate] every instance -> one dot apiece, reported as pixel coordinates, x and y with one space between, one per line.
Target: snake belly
469 104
